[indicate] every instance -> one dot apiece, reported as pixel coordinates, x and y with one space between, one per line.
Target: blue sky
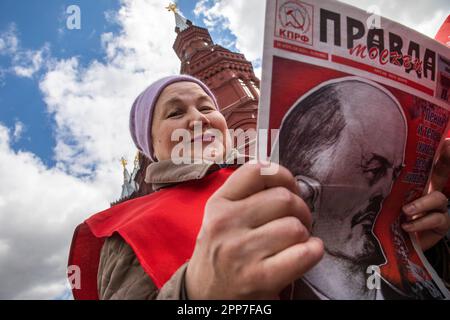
65 97
38 23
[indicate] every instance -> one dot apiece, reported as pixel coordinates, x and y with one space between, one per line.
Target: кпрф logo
295 21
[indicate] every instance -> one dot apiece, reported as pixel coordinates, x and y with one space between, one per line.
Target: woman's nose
197 118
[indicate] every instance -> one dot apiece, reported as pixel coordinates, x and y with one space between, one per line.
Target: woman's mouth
206 137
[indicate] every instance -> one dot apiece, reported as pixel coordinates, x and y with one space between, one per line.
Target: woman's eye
206 109
174 114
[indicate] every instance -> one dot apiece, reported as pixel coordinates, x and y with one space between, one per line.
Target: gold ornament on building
136 160
172 7
124 162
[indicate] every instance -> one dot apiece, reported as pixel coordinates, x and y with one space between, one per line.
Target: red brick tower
228 74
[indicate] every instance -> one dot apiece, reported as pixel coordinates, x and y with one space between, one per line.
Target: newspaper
356 106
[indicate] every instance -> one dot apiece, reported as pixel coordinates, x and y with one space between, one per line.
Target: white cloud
24 63
4 247
244 19
19 128
41 206
258 72
39 209
2 76
430 27
423 16
40 292
8 40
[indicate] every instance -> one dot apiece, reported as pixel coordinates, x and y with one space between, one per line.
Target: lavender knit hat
141 115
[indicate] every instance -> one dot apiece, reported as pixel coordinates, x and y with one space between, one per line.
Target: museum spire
181 23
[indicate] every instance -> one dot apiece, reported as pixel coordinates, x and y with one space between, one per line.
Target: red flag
443 36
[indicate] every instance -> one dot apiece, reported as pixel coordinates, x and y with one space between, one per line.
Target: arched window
246 89
255 87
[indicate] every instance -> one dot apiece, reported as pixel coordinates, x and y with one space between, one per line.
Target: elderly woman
211 230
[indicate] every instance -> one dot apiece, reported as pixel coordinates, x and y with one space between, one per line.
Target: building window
255 87
246 89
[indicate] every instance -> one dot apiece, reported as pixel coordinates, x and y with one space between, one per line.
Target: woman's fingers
283 203
276 236
438 221
249 180
435 201
441 170
428 218
294 261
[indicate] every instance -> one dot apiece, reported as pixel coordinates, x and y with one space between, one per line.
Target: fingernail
406 226
409 209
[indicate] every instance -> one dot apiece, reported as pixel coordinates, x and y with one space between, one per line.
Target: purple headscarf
141 116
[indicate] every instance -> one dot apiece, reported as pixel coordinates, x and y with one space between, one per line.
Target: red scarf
161 228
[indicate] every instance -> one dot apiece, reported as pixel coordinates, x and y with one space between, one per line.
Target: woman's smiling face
185 105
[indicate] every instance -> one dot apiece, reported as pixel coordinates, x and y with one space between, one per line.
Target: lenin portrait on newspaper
356 112
345 143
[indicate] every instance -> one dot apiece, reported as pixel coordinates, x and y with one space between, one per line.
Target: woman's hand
255 238
428 216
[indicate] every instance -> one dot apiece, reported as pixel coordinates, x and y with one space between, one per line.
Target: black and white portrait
345 142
